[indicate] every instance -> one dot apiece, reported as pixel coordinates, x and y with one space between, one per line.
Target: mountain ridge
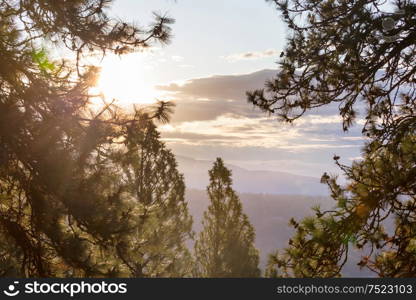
251 181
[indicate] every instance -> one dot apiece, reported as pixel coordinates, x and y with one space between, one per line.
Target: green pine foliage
70 203
340 52
154 185
225 247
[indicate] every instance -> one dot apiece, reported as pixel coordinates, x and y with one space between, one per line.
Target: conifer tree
361 56
225 247
156 248
65 206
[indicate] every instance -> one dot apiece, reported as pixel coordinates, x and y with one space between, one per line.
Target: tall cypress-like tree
225 247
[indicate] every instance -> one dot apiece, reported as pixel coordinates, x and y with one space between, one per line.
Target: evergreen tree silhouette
225 247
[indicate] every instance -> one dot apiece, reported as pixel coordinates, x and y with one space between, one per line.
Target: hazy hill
247 181
270 215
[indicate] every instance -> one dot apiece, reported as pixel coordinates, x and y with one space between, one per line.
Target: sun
124 80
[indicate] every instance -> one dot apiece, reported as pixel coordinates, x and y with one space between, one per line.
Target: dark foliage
68 200
354 54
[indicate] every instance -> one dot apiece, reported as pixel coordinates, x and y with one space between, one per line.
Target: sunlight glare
124 79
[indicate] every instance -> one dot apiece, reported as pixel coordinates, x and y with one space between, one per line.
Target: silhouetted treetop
80 25
354 53
225 247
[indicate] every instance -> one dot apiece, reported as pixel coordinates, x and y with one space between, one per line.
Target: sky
209 35
219 50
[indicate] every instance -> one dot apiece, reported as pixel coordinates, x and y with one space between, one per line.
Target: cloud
177 58
251 55
240 131
212 118
186 66
220 86
209 97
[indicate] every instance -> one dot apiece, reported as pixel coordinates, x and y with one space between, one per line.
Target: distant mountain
247 181
269 199
270 215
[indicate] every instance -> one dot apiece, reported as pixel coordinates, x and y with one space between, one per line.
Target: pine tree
225 247
157 246
65 208
355 54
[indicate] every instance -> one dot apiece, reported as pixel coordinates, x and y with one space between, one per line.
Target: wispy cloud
177 58
251 55
213 118
240 131
186 66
